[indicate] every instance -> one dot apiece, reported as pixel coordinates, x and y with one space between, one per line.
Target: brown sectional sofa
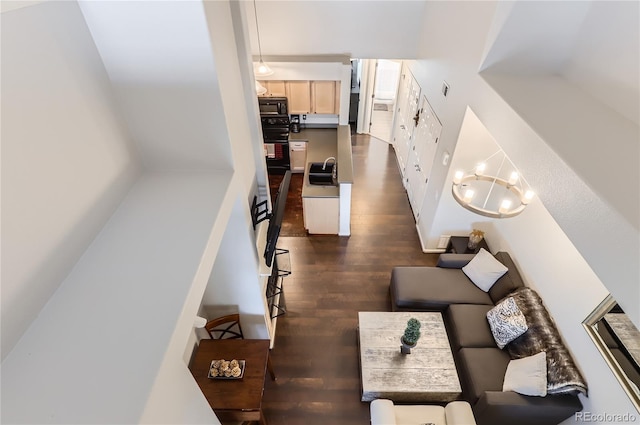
481 364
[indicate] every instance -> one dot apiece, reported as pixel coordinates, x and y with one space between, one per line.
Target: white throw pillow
506 322
484 270
527 376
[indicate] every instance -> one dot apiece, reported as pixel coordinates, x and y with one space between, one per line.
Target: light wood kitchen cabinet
299 96
313 97
274 88
323 97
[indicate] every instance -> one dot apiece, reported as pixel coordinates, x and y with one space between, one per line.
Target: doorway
385 87
378 92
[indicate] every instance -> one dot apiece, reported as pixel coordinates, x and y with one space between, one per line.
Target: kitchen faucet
324 166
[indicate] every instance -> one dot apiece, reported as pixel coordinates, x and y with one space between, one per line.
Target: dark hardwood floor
316 353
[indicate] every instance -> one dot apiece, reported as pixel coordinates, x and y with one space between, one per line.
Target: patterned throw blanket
563 377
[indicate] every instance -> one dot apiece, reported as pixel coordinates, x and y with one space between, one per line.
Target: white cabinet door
421 155
414 184
321 215
409 95
298 155
428 145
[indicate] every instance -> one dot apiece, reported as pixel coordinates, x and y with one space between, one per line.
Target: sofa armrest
382 412
459 413
454 261
508 407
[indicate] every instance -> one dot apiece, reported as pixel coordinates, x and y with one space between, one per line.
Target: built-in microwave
273 106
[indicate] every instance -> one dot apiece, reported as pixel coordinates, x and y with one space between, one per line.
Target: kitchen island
327 208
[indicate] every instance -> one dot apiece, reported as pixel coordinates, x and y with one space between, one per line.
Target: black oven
275 127
273 106
275 130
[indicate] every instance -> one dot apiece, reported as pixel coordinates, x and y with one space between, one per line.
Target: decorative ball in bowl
226 369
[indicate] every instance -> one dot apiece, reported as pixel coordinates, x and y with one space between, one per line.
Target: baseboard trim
424 248
434 251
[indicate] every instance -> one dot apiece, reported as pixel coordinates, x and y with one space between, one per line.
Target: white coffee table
428 374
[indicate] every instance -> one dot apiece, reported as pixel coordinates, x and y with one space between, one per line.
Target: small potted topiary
411 336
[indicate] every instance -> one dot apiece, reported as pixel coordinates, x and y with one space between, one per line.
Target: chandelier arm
494 154
484 205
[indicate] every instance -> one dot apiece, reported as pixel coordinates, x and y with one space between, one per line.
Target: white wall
234 279
234 265
591 48
121 319
609 74
233 66
381 29
124 314
231 259
66 156
522 45
306 68
159 58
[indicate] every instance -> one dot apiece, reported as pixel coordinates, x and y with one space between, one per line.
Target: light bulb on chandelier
513 178
505 206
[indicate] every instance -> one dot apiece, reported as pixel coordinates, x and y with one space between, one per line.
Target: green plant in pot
411 336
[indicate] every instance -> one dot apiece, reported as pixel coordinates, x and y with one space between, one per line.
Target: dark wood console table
458 245
234 400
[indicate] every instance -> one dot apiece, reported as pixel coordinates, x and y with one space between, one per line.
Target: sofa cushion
484 270
467 326
481 369
432 289
506 322
509 282
527 376
454 261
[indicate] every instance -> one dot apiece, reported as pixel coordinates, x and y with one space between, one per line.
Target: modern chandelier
501 194
262 69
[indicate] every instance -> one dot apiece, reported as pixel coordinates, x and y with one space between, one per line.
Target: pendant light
260 89
262 69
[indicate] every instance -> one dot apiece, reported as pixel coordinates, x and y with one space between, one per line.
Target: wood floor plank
316 354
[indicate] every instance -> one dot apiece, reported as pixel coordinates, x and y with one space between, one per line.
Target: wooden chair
228 327
225 327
